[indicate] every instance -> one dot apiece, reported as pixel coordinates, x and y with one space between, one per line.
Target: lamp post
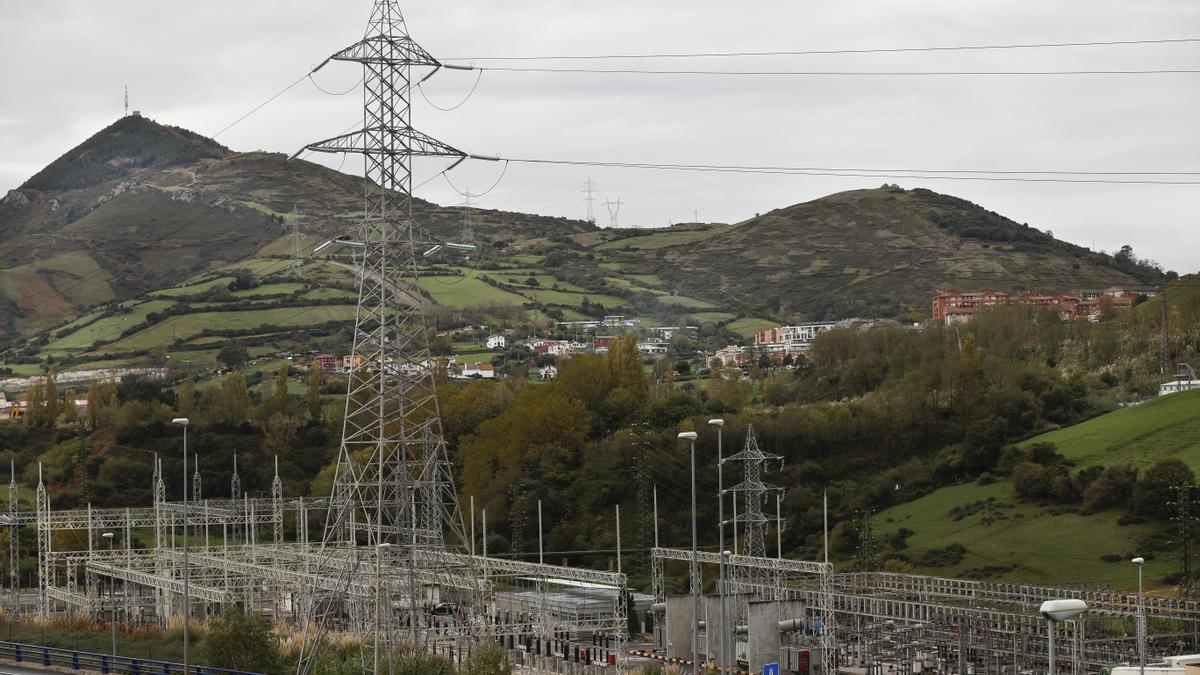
379 551
112 598
720 425
695 571
1141 617
1059 610
187 607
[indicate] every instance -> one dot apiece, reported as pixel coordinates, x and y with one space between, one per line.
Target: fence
103 663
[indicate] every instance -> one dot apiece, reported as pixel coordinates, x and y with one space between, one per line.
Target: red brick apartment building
951 306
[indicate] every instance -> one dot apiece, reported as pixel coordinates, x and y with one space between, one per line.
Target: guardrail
73 659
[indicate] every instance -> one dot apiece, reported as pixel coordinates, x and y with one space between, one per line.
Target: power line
839 73
819 52
256 52
900 174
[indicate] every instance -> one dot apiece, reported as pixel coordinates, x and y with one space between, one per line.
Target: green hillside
1005 538
144 211
1168 426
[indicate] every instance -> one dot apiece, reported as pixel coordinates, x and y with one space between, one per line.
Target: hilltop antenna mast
614 212
127 100
589 191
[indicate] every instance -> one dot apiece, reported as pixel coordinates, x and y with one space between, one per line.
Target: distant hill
141 207
880 252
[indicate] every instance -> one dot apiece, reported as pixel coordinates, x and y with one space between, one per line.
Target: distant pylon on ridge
614 212
589 192
468 230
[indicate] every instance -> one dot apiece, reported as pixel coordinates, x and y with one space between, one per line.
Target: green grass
573 299
187 325
166 646
1063 548
260 266
53 290
467 292
269 289
476 357
748 326
327 293
684 301
23 369
660 239
544 281
711 317
1168 426
1046 548
107 328
648 279
194 288
83 318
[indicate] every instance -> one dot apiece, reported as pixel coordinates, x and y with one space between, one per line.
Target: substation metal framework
914 622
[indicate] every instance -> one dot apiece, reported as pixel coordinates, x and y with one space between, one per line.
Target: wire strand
840 73
503 171
818 52
336 93
478 77
787 171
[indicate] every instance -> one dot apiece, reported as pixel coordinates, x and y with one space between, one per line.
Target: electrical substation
392 557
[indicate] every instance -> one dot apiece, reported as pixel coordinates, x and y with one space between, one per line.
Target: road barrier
74 659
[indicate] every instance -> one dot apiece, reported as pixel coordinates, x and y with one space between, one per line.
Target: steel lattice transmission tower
754 495
393 453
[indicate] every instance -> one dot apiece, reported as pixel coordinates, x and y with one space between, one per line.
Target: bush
488 658
241 641
944 557
985 478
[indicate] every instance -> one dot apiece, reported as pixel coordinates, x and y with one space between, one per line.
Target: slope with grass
1005 538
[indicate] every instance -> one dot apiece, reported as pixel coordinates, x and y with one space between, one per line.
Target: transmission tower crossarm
398 141
388 50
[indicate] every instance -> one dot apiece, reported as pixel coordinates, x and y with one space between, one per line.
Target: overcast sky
202 65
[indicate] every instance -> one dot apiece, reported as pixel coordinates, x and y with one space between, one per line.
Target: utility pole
589 192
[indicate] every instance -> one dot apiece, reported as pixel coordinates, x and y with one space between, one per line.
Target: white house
653 347
481 370
497 342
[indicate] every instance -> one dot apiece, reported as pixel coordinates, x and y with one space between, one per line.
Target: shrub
488 658
241 641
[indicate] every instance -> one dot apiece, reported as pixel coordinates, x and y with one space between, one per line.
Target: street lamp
379 551
1141 617
720 425
691 437
187 607
1060 610
112 597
